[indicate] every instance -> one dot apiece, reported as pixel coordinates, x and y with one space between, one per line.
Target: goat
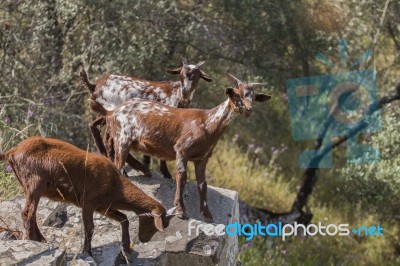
113 90
178 134
62 172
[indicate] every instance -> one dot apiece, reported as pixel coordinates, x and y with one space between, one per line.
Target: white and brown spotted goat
113 90
178 134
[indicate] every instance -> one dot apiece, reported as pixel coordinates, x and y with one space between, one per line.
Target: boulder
62 227
26 252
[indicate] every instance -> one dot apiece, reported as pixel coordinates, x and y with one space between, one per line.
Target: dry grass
259 185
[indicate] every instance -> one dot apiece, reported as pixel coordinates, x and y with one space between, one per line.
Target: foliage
377 186
43 44
262 186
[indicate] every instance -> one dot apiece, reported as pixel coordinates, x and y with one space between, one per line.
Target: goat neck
218 118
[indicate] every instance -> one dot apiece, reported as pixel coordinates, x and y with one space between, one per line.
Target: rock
7 235
58 217
175 246
26 252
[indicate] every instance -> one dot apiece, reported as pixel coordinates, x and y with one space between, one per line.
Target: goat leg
123 220
123 155
87 219
164 169
181 177
100 121
109 144
146 161
135 164
29 219
38 233
200 170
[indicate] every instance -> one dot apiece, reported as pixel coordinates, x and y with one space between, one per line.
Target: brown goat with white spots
113 90
178 134
60 171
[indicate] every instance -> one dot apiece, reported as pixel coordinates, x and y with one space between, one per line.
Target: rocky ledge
62 227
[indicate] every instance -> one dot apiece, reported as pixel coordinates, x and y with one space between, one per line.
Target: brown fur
91 87
166 87
177 134
62 172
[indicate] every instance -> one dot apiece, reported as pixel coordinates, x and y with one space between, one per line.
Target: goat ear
174 71
147 228
261 97
205 76
158 223
184 61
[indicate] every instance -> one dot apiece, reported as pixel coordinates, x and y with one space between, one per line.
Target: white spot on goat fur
222 115
191 95
201 185
187 83
119 89
163 95
193 125
124 121
191 66
144 107
217 114
161 109
158 91
180 167
173 101
188 141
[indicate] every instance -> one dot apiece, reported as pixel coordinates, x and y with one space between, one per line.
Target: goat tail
3 156
86 81
98 108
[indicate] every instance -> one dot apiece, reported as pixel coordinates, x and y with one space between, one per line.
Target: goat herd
139 115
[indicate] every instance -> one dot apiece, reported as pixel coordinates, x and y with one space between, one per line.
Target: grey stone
26 252
7 235
173 247
58 217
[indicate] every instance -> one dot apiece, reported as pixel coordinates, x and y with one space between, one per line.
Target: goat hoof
181 216
125 173
208 217
128 255
209 220
180 213
147 173
87 253
167 175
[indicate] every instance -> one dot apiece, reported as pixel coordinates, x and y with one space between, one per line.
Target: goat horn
255 85
234 79
184 61
170 212
146 214
199 64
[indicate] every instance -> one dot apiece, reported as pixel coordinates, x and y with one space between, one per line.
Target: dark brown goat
178 134
60 171
113 90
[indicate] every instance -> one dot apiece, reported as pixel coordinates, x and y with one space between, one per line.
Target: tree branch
251 214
